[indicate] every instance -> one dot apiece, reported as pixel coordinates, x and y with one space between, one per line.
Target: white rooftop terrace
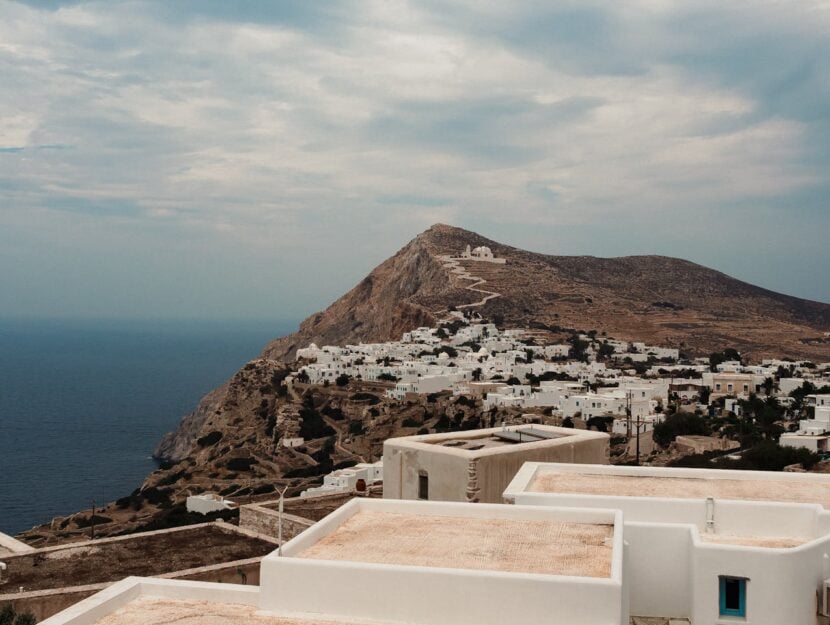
740 508
444 563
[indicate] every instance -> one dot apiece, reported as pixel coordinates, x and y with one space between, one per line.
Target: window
746 388
729 388
423 485
732 596
717 386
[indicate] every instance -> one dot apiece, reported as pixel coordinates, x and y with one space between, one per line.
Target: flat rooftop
760 489
152 611
488 544
500 438
492 441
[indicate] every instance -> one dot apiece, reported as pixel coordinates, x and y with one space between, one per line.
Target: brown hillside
656 299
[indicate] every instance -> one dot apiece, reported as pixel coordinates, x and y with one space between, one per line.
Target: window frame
423 486
723 610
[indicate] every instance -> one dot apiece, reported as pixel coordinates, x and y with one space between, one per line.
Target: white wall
658 569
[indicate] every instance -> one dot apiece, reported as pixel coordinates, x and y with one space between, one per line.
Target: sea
83 404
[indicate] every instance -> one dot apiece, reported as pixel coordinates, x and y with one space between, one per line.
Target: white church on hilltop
482 253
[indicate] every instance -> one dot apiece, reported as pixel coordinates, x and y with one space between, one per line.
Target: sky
232 160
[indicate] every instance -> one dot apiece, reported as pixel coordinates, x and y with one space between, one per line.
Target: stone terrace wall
266 521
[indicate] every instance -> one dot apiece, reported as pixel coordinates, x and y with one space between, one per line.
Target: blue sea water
84 403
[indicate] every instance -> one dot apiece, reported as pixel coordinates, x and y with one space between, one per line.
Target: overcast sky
223 159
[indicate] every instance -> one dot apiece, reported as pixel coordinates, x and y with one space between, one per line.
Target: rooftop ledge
492 441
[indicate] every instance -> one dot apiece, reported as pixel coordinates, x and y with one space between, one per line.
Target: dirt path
455 268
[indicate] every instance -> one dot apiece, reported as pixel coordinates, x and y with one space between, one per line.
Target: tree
313 425
477 374
679 424
606 350
302 376
567 422
342 379
578 347
599 423
717 358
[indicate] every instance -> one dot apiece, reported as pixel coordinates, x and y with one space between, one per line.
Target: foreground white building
715 547
580 545
404 562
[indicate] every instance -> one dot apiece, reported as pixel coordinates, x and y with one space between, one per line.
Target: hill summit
656 299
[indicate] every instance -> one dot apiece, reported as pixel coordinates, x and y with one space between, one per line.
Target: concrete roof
752 485
154 611
513 545
485 442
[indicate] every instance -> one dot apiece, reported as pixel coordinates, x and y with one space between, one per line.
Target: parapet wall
266 521
44 603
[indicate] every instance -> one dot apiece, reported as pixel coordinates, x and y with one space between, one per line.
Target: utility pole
281 508
638 439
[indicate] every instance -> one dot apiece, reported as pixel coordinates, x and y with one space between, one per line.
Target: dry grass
509 545
682 488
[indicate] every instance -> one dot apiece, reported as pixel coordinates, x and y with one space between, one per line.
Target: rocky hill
660 300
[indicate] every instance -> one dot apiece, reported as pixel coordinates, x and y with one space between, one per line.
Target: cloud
325 135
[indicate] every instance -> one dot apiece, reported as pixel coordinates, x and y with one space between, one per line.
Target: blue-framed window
732 596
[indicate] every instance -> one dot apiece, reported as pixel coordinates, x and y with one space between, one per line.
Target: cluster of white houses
497 365
526 525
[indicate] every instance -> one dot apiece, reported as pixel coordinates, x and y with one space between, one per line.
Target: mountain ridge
612 295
